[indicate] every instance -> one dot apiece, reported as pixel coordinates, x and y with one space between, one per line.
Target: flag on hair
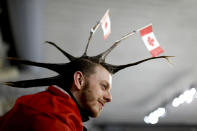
106 24
150 41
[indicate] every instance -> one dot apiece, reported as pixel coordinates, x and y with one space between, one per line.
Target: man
58 110
82 89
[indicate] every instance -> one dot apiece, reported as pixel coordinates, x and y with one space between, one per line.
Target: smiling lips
102 104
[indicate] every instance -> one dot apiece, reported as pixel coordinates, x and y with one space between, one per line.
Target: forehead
101 74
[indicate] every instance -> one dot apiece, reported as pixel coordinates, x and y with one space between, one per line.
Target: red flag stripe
146 30
155 52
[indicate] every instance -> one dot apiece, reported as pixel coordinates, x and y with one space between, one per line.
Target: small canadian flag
106 25
150 41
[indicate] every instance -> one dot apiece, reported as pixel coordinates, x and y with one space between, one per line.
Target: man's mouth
102 104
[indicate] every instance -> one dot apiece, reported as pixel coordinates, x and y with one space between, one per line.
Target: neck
84 113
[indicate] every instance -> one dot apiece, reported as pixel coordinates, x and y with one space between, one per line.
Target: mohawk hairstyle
64 69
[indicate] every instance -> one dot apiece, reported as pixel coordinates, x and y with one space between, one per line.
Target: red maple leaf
106 24
150 41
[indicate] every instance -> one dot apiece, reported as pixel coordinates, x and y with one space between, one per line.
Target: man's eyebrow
105 82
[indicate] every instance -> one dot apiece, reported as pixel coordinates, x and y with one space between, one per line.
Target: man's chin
95 114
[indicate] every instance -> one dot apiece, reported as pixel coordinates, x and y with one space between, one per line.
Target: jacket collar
84 113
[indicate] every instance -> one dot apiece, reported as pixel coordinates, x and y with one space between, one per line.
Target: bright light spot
193 90
153 117
191 95
175 102
146 119
181 98
187 97
161 112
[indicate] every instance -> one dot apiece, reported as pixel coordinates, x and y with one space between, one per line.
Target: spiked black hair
66 70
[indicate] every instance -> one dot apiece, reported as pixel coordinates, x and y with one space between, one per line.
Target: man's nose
108 97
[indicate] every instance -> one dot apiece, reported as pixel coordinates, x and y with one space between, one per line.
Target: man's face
96 91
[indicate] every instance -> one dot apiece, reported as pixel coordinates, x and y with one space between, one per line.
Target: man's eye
104 87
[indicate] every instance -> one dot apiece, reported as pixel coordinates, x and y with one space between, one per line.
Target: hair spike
70 57
104 54
115 68
54 67
34 82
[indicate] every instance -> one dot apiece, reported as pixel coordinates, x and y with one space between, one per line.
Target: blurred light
146 120
153 117
161 112
175 102
191 95
187 97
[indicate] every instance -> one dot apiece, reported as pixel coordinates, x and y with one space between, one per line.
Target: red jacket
50 110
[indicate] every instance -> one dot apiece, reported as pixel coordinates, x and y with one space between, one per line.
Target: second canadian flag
150 41
106 25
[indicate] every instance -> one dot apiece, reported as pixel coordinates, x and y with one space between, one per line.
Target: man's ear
79 79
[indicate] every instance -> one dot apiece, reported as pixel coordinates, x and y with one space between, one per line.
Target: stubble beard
89 102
